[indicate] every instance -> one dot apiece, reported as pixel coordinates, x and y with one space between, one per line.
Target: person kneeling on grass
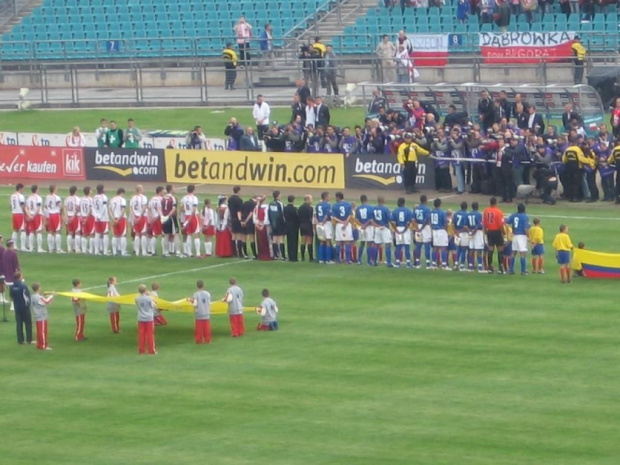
160 319
563 245
268 310
39 308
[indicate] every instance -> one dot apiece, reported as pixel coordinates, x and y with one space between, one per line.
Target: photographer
293 138
273 140
348 143
441 152
196 139
374 142
546 182
329 144
234 131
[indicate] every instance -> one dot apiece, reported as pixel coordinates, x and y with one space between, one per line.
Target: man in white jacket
261 113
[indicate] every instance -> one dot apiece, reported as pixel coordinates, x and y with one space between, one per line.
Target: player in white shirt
18 207
191 221
72 221
102 221
138 207
118 207
53 212
34 219
208 227
87 222
154 221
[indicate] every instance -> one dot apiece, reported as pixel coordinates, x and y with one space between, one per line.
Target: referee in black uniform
235 204
306 229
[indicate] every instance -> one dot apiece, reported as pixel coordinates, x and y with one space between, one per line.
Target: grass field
371 366
213 121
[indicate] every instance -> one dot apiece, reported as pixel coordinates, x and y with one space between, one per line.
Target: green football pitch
370 366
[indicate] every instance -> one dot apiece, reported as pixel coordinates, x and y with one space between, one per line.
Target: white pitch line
590 218
163 275
448 196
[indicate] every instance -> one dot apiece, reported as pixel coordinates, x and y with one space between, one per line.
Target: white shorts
367 234
519 243
424 235
440 238
325 232
344 233
403 238
383 235
476 242
463 239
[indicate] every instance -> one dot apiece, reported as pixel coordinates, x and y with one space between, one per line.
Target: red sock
562 274
534 265
354 253
540 264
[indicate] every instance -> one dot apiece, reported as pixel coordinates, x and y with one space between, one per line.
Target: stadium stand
72 29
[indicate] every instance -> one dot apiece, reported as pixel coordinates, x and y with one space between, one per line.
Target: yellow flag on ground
178 306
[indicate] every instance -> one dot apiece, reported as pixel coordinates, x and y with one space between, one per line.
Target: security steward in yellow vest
573 161
614 159
230 64
320 50
579 59
408 153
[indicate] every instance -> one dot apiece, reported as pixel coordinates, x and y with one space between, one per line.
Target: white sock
39 241
136 245
124 245
97 243
78 243
51 244
14 238
152 244
197 245
188 245
92 245
85 248
22 239
209 248
114 246
106 244
165 249
69 244
31 242
171 247
144 244
58 242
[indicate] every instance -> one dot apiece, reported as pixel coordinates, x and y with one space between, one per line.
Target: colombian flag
597 264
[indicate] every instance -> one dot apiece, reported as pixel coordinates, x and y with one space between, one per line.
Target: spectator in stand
323 116
403 6
404 66
529 8
378 101
261 113
348 143
615 119
502 17
303 91
243 31
405 42
486 10
331 70
319 56
486 110
76 138
266 48
114 136
329 144
521 116
462 11
579 58
535 122
565 7
386 51
234 131
230 65
515 7
249 141
132 136
308 63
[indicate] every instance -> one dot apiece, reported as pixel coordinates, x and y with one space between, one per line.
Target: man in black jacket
305 215
486 111
298 109
322 113
277 226
291 220
303 91
21 302
568 116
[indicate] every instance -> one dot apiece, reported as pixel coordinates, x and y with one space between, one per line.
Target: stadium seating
72 29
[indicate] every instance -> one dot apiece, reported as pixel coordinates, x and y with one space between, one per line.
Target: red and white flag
429 49
526 47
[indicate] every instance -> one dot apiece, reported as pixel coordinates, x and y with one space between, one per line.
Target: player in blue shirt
383 235
401 222
364 214
476 238
439 224
324 228
422 221
341 213
520 224
461 230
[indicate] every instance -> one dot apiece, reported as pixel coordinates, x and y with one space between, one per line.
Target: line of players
90 218
470 237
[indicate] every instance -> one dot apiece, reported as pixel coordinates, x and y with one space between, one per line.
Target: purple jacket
10 264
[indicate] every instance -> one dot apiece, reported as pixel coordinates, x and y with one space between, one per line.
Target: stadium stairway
26 10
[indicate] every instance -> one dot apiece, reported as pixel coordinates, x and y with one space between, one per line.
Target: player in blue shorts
520 224
324 228
439 224
461 230
341 214
364 214
537 238
401 223
476 238
423 236
383 235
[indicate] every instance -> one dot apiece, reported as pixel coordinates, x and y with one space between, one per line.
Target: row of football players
469 238
90 218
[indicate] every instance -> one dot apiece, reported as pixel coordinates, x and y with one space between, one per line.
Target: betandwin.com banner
255 168
380 171
140 165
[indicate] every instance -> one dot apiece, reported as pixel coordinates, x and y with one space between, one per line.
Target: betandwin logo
131 165
381 169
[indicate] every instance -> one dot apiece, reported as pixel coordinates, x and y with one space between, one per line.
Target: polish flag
429 49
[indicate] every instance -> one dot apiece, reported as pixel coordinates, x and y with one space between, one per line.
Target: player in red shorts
118 207
72 221
53 213
138 207
191 221
154 221
102 221
18 207
87 222
34 220
208 227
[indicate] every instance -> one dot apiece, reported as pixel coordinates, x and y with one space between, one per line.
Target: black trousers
231 77
509 186
292 242
498 181
409 175
23 320
244 52
578 74
617 184
591 179
261 130
330 81
573 180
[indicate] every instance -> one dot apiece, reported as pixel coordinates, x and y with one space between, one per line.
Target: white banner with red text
526 47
